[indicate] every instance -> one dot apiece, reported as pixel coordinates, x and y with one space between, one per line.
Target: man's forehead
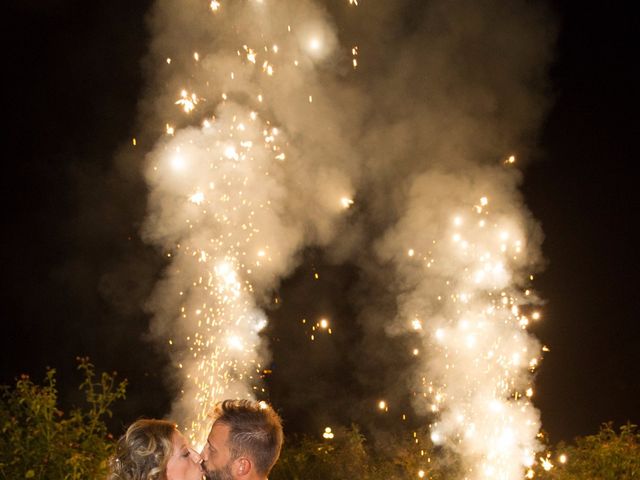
219 433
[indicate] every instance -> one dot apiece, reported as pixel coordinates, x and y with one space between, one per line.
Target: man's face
216 455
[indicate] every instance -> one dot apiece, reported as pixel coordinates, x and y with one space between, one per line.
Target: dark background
75 75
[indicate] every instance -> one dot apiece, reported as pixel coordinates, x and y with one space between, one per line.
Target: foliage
38 441
311 459
348 455
608 455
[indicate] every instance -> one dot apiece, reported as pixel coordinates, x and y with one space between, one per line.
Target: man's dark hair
255 430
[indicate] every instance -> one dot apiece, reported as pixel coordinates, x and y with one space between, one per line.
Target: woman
154 450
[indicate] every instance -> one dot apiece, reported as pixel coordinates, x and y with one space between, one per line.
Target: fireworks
219 207
221 248
232 202
470 272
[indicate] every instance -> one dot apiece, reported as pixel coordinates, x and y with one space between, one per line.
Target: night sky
75 72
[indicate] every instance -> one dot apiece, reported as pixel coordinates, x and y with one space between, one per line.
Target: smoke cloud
380 133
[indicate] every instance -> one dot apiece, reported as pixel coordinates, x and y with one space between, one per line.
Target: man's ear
243 466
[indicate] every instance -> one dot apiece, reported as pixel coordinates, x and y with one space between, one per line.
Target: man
244 442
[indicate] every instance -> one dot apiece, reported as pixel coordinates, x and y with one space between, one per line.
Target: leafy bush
347 455
38 441
608 455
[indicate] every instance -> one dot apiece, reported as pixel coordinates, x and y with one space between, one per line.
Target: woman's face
184 463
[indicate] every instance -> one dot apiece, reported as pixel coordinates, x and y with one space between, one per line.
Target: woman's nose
195 456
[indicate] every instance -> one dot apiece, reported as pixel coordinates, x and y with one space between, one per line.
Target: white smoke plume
253 172
464 272
278 116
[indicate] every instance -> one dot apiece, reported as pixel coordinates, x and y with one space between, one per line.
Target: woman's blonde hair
143 451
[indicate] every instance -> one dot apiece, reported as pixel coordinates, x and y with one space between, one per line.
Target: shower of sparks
477 379
222 257
218 189
223 181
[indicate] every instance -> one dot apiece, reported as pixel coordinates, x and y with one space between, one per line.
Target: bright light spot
324 323
484 201
188 102
230 153
529 459
260 324
178 163
420 473
346 202
382 405
440 334
416 324
234 342
251 55
546 464
436 438
214 5
411 252
315 44
515 359
328 434
197 198
562 458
